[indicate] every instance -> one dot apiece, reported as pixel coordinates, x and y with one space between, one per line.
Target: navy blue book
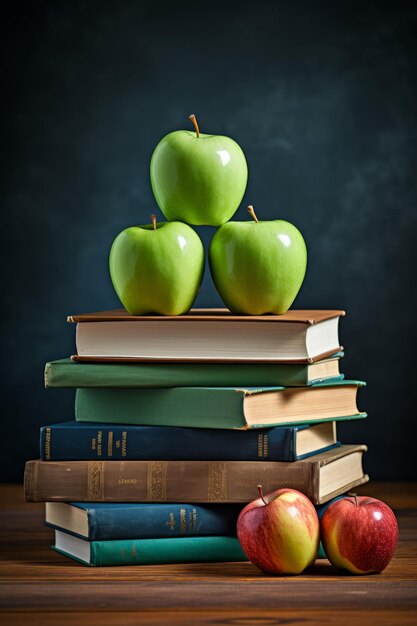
76 441
102 521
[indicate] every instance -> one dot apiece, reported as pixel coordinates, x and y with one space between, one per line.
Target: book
207 335
104 521
149 551
220 407
68 373
97 521
71 441
320 477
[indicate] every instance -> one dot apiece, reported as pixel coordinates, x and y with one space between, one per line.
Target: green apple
258 267
196 178
157 268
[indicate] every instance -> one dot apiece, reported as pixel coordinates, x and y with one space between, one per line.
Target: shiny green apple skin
258 267
157 271
198 180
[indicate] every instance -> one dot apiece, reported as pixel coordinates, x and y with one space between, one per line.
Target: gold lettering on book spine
157 481
217 484
95 481
48 444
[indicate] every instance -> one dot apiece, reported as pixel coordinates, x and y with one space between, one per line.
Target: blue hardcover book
109 521
74 441
102 521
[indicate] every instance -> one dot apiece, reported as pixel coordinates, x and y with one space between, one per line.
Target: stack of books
179 419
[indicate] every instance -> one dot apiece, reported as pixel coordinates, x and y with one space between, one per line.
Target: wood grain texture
52 589
215 618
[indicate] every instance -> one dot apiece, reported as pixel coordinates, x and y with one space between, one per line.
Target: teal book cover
149 551
66 373
221 407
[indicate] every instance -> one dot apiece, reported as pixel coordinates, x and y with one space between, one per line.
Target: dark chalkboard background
322 98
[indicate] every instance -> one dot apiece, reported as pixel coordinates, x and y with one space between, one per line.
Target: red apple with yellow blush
359 534
279 532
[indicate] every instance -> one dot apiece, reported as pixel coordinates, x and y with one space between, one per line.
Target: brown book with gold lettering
320 477
207 335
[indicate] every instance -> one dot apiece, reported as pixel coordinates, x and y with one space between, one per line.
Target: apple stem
252 212
261 494
153 218
353 495
193 119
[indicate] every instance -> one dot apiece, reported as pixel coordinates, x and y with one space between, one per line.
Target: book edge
307 316
120 359
333 494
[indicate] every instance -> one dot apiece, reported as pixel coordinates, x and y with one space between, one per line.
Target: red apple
359 534
280 532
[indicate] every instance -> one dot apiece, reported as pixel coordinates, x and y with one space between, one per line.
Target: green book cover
68 373
149 551
220 407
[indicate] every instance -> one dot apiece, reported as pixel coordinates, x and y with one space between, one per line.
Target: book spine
66 373
160 551
112 442
166 481
30 481
196 407
145 521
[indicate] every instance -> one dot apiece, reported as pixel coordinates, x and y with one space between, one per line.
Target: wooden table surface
39 586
